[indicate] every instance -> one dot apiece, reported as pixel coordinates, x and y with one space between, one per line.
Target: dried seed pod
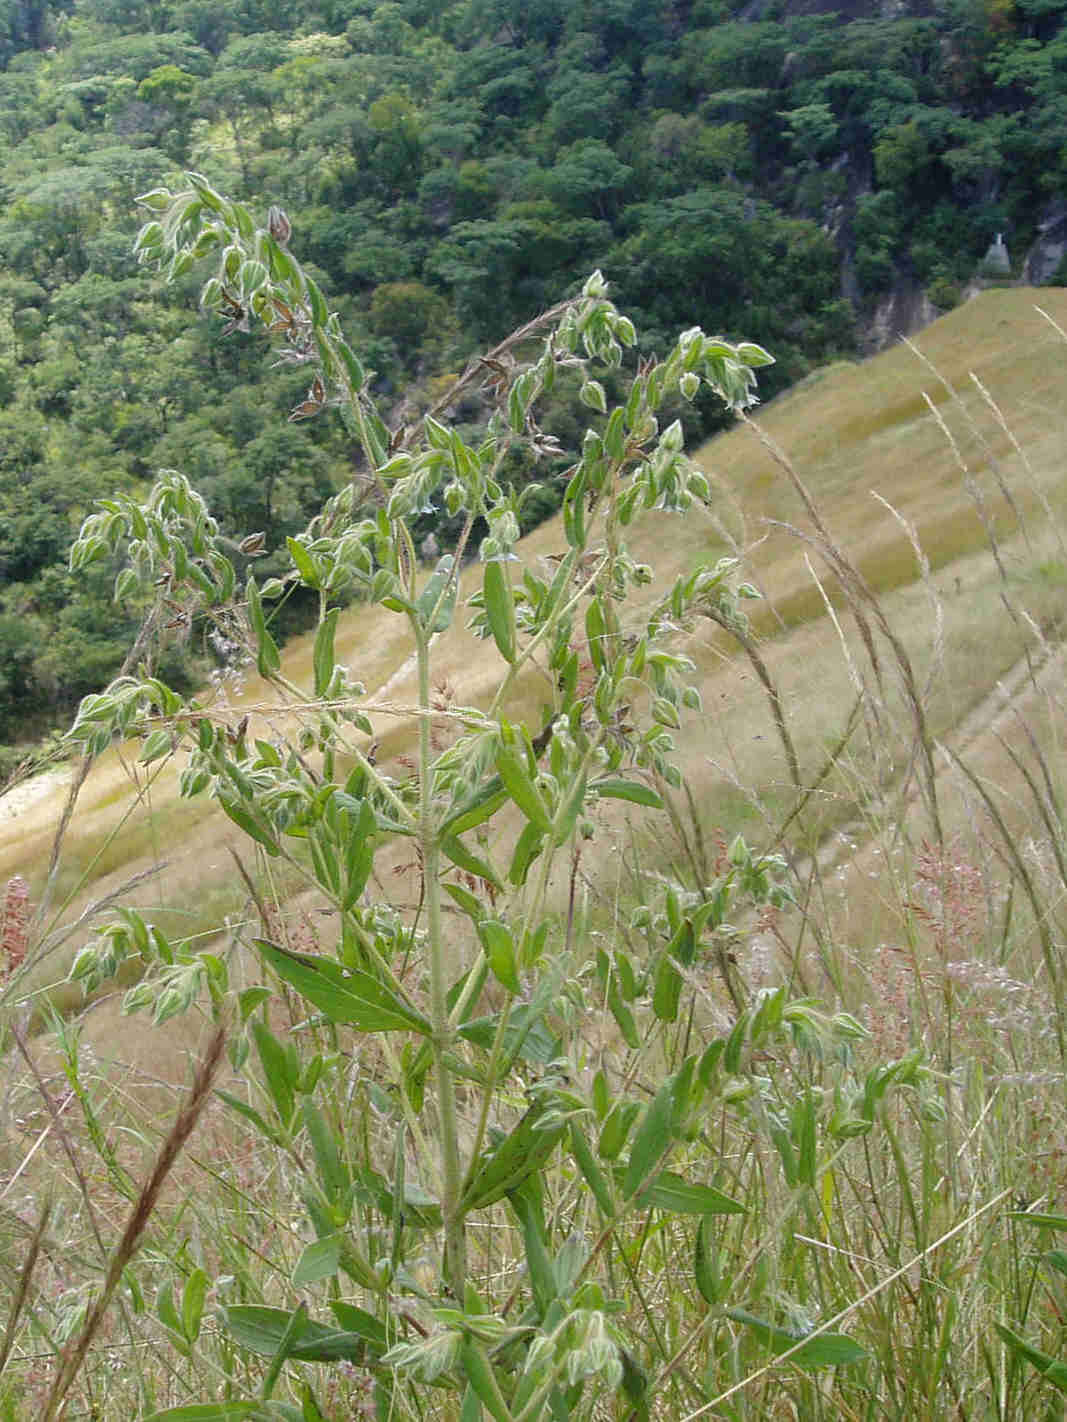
279 226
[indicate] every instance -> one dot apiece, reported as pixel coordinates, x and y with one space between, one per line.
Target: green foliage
388 975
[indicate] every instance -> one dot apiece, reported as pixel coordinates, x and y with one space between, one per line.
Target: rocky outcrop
1050 247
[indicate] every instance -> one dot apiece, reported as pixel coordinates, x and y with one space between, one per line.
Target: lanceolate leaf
615 787
353 998
261 1330
251 1114
246 821
1051 1369
1033 1218
500 609
499 948
354 1319
670 1192
320 1260
465 858
477 808
525 1036
706 1264
206 1412
527 847
523 791
470 903
826 1350
594 1176
324 654
305 564
667 991
652 1139
359 854
521 1153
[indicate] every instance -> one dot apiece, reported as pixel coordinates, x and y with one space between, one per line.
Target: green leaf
595 630
500 609
158 744
652 1139
527 1203
168 1316
670 1192
438 598
525 1035
305 564
1045 1221
357 376
478 1371
594 1176
275 1063
324 654
206 1412
665 713
320 1260
359 855
251 1114
499 948
592 394
828 1350
754 355
527 847
806 1152
516 777
246 821
624 1018
615 434
616 1128
193 1297
615 787
470 903
319 311
706 1263
465 858
269 660
354 998
667 991
418 1209
354 1319
476 808
1051 1369
261 1330
332 1170
310 1411
569 809
522 1152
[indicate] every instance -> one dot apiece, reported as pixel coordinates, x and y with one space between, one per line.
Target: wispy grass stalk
143 1208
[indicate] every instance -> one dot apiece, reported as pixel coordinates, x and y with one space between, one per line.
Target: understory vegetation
523 1076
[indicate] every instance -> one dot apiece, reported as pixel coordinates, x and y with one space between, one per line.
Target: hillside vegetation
865 1059
449 169
852 432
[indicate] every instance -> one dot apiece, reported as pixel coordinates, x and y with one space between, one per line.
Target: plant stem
455 1255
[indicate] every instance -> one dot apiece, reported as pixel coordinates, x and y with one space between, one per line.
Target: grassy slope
851 432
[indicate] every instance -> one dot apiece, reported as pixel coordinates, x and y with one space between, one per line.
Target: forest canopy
451 170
